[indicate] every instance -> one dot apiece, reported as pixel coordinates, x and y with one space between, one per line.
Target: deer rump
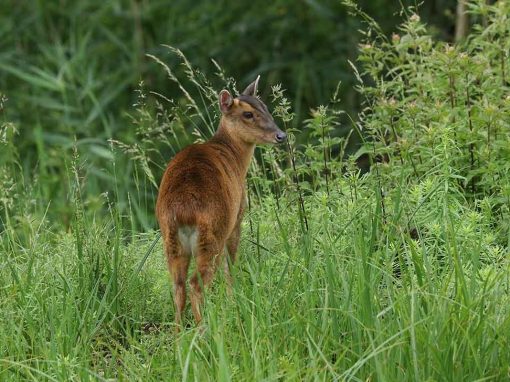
201 187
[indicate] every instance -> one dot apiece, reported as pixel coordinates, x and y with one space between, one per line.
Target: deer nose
280 137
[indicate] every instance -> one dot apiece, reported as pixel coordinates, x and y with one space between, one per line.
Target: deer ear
226 101
251 89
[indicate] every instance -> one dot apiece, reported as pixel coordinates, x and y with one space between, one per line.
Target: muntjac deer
202 195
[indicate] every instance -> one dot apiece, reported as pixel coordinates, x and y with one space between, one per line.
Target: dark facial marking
255 103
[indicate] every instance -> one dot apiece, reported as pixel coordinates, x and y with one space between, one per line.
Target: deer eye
248 115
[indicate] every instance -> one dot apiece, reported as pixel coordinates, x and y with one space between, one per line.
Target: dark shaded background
70 68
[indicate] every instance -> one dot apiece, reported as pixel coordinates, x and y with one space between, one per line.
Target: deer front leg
232 246
233 242
235 235
228 262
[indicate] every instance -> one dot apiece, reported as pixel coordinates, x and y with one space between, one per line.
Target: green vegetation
399 273
70 70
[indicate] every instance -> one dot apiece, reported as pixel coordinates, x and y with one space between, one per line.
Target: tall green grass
401 273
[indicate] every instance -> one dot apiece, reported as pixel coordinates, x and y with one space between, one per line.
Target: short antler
251 89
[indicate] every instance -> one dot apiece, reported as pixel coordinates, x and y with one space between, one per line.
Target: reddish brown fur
204 188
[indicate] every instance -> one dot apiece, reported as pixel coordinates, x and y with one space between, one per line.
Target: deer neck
241 151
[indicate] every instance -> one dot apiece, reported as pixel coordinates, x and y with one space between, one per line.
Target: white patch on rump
188 237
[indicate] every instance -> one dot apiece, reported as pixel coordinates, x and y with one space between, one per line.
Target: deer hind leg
178 263
208 256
